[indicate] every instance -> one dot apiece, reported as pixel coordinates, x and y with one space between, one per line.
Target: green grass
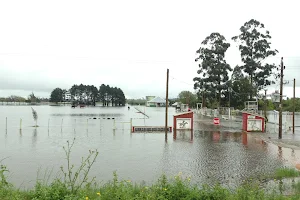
165 188
286 173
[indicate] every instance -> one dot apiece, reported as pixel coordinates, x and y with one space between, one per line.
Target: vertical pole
6 124
167 103
21 124
48 124
114 124
280 104
265 109
294 106
229 114
62 120
130 125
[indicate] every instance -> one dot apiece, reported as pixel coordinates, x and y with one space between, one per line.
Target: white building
68 96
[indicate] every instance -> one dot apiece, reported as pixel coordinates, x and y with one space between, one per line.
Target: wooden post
265 109
6 124
21 124
48 123
280 104
62 120
167 103
294 94
130 125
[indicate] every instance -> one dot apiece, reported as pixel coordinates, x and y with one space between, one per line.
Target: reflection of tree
34 137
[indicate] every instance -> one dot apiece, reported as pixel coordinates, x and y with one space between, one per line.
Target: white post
114 124
130 125
229 114
6 124
48 124
62 120
21 124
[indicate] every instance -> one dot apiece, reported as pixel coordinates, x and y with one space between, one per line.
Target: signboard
216 121
254 125
150 129
183 123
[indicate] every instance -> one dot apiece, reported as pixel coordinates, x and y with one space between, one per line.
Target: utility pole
280 102
294 105
167 104
265 108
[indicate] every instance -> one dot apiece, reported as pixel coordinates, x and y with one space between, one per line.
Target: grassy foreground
75 184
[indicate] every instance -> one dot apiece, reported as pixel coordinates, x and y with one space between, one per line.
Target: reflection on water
207 154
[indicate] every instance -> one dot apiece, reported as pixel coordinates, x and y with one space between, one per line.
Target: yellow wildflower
98 193
86 198
165 189
128 181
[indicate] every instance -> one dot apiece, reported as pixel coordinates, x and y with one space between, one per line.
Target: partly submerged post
48 123
21 124
167 103
130 125
6 124
62 120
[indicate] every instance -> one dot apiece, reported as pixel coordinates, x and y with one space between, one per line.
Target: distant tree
56 95
102 94
254 45
213 69
187 97
64 91
32 99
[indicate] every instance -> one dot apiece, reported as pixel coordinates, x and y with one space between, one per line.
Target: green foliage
72 178
89 94
286 173
254 45
187 97
213 69
33 99
57 95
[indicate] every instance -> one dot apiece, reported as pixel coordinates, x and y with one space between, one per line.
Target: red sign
216 121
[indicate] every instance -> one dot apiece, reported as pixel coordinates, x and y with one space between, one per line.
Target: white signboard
254 125
183 123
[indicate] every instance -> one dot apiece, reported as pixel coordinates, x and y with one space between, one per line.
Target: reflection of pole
167 103
20 124
280 104
6 124
294 106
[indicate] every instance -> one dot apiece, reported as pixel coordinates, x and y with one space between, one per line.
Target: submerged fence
69 123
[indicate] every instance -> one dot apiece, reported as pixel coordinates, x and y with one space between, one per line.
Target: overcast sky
130 44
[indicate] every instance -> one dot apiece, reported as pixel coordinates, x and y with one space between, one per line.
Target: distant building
68 96
156 102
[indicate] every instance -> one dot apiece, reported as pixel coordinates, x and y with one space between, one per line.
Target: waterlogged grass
74 184
165 188
286 173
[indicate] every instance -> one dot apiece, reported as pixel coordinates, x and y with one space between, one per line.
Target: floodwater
208 155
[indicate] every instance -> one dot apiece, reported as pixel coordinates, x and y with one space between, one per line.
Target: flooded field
209 154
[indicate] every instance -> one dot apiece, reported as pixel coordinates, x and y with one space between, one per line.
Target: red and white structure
183 121
253 122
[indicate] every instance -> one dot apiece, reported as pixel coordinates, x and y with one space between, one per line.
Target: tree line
214 84
89 95
30 99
